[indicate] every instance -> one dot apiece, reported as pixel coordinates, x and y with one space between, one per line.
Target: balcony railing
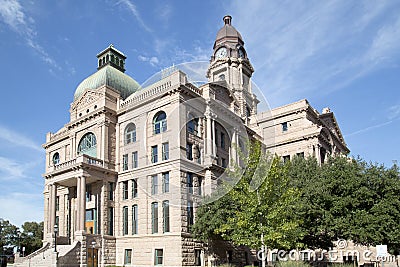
79 160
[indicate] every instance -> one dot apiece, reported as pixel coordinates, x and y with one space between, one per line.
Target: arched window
193 125
130 133
160 122
87 145
56 158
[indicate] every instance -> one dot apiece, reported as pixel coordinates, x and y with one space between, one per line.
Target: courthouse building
124 176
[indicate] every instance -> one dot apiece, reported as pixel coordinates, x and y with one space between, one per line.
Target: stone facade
125 175
297 129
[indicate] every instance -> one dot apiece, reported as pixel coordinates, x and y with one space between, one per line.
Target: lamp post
55 237
93 246
19 243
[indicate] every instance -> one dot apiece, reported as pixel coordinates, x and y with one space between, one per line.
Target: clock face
221 53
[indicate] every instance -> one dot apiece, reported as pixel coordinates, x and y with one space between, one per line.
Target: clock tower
229 65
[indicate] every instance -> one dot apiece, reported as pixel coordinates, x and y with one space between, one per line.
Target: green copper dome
110 72
111 77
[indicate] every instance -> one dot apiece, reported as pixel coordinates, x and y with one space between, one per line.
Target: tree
347 199
260 203
32 236
8 236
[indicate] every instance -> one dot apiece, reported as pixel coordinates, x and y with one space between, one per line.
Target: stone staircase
66 256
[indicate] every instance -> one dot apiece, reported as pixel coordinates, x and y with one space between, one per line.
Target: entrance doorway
92 256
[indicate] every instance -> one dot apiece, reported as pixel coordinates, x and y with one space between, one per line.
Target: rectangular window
154 184
111 191
88 193
189 151
134 188
154 154
165 216
300 154
135 162
154 217
189 182
128 256
125 191
158 257
110 221
190 214
223 162
199 186
134 219
197 257
125 220
125 162
165 182
284 126
57 203
165 151
286 158
222 140
89 215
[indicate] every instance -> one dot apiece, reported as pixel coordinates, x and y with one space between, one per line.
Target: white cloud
153 61
19 208
10 169
394 112
18 139
369 128
12 14
132 8
307 46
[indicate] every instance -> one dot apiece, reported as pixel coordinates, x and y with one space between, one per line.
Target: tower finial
227 19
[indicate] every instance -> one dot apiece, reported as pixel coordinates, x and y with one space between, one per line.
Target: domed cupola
231 68
110 72
229 42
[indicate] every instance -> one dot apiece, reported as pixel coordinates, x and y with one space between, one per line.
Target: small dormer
113 57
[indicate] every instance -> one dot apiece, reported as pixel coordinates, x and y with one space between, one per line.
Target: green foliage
302 204
32 236
347 199
8 236
11 236
261 202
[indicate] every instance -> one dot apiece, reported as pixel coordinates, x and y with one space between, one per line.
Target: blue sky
340 54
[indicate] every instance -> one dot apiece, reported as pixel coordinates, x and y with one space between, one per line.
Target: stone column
82 208
209 134
318 153
81 203
233 148
214 145
102 212
101 156
52 206
117 146
49 208
78 203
